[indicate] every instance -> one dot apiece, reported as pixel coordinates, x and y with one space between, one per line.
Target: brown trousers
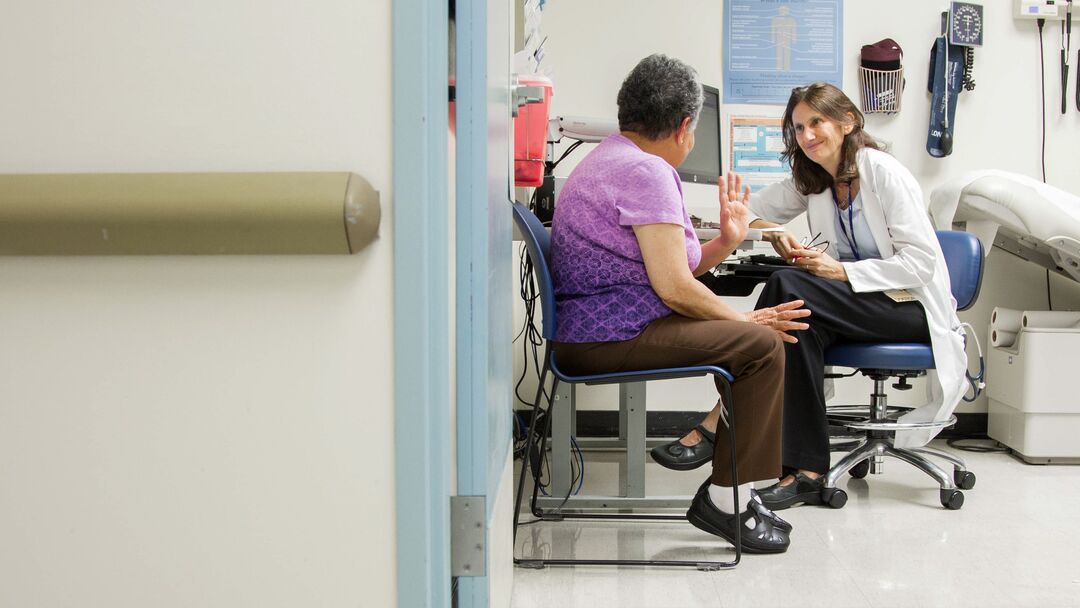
753 354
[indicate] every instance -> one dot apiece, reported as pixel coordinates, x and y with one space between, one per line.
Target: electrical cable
976 382
581 466
954 442
1042 80
1066 48
1049 300
530 295
565 153
534 339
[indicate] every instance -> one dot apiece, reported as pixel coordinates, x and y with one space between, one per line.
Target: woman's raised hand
733 199
781 318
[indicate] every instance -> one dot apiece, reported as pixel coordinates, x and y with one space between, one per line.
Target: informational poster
756 145
772 46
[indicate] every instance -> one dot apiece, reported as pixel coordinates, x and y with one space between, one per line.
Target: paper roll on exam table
186 213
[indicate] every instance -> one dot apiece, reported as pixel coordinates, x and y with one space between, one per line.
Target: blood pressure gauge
965 24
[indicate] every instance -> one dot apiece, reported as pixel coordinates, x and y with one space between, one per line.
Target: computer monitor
703 164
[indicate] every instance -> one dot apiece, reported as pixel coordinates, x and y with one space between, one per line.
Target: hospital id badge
900 295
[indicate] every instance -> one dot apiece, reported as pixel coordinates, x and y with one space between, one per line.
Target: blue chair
964 258
538 243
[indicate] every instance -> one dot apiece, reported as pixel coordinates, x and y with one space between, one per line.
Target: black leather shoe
803 490
764 537
681 457
762 511
757 507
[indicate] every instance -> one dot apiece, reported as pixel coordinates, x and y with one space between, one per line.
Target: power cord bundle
530 295
531 345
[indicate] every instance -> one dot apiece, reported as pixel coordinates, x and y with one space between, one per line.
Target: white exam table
1029 375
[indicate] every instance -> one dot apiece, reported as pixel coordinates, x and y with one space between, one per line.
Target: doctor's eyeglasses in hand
813 243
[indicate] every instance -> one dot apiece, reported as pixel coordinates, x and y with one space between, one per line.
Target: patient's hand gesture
733 199
782 318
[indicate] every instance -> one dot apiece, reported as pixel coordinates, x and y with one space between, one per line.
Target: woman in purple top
624 257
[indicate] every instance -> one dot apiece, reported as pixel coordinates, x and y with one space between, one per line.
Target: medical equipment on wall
1032 407
952 59
1055 10
881 76
1066 49
581 129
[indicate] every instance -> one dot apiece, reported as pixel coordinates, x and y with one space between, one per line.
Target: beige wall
592 45
203 431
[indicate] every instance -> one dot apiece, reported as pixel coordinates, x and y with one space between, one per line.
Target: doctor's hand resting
819 264
623 260
872 236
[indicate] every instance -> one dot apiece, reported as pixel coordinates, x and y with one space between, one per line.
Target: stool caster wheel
952 499
860 470
834 497
965 480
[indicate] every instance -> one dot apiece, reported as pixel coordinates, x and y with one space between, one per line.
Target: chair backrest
964 256
538 242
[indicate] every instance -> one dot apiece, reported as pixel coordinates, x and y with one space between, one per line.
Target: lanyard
851 222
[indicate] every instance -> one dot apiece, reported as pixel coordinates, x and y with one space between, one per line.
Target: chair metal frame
537 242
964 258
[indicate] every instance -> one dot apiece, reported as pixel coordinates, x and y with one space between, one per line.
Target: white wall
593 45
202 431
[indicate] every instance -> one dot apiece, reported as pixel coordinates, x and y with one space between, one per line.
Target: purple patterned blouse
602 293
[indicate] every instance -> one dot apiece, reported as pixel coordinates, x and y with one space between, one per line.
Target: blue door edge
421 299
470 208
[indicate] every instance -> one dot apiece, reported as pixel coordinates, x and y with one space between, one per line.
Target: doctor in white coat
874 272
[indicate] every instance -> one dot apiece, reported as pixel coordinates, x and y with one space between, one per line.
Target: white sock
721 497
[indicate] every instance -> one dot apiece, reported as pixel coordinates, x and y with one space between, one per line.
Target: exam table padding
186 213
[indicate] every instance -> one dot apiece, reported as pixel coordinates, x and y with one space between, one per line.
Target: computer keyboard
771 260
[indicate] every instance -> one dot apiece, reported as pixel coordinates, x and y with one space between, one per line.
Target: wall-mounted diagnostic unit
1051 10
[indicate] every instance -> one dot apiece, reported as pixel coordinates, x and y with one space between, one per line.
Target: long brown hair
830 102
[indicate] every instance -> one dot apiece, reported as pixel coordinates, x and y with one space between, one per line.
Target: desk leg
562 427
632 418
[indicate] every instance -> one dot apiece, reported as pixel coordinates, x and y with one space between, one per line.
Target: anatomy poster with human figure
771 46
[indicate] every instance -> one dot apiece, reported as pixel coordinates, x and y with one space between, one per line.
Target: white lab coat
911 259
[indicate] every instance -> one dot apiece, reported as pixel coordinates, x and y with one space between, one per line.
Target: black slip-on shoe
760 509
802 491
679 457
756 506
763 537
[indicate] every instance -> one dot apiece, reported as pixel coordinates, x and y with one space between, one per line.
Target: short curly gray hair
658 94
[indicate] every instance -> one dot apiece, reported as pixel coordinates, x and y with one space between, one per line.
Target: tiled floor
1015 542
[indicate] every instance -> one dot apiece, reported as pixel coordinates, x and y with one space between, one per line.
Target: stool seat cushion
898 356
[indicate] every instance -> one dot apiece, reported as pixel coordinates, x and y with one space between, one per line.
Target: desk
708 234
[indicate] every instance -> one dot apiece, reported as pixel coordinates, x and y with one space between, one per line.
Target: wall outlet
1051 10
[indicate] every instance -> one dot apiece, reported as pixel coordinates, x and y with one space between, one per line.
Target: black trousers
838 314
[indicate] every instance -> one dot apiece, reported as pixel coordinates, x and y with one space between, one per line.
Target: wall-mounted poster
756 145
772 46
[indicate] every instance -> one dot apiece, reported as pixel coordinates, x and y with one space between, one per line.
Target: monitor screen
703 164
